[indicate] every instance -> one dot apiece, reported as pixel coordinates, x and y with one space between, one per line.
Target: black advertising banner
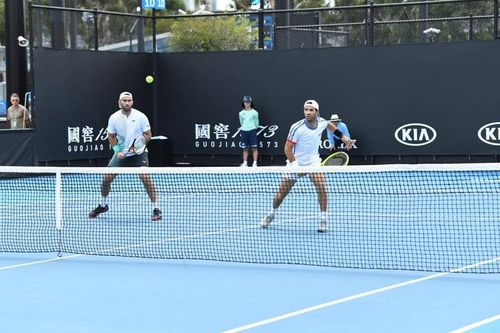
76 92
432 99
404 100
16 147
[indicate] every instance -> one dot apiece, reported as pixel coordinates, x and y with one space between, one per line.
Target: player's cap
335 117
125 94
313 103
247 98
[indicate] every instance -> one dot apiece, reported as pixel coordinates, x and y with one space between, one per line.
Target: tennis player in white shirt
125 127
302 149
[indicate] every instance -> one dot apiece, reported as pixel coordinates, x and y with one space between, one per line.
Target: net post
58 207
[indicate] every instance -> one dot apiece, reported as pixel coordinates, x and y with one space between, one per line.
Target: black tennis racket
337 158
138 143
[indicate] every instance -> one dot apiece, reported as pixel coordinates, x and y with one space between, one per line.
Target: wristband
116 148
338 133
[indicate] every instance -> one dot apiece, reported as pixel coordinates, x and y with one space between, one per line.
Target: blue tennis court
408 250
110 294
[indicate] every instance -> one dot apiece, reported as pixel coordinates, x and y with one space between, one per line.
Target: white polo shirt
307 141
128 128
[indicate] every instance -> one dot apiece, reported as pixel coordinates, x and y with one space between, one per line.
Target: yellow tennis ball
149 79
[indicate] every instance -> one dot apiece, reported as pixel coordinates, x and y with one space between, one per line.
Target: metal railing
365 25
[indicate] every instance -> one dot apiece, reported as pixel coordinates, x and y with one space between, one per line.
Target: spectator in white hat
335 142
302 149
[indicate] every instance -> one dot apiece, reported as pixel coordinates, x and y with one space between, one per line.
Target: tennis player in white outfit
128 133
302 149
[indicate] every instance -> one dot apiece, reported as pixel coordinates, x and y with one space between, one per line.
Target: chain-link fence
371 24
65 28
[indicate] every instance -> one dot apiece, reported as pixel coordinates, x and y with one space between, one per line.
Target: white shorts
294 176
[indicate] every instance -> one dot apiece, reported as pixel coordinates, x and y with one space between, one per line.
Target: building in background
209 6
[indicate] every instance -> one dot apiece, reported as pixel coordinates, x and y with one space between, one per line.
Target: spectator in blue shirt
335 142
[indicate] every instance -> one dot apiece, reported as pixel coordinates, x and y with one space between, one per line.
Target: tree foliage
113 29
220 33
405 24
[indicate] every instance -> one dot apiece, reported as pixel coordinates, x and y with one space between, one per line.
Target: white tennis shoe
266 220
323 226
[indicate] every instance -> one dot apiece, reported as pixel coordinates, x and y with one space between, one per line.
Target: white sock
273 210
323 216
104 201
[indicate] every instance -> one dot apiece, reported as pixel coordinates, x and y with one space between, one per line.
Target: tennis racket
137 144
337 158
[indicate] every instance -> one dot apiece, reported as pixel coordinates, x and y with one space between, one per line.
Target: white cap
125 94
335 117
313 103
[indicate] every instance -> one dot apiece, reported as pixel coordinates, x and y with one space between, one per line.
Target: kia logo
415 134
490 134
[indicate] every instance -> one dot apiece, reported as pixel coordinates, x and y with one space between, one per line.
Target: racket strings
335 161
337 158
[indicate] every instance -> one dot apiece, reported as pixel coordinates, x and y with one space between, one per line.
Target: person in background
125 127
301 150
18 116
249 122
335 142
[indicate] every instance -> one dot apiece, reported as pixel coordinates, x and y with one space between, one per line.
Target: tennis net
436 218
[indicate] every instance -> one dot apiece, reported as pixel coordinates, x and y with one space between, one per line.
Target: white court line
477 324
4 268
355 297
